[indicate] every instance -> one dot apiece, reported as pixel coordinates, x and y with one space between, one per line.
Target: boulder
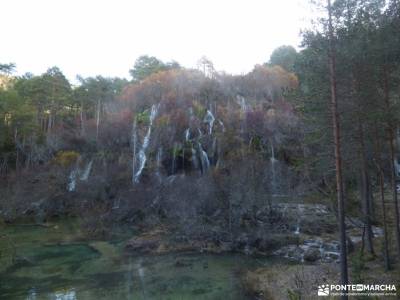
312 255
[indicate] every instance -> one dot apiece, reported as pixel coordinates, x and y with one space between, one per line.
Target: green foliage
66 158
7 68
284 56
143 117
146 65
198 109
293 295
358 266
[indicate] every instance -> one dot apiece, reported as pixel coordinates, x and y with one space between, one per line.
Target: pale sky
104 37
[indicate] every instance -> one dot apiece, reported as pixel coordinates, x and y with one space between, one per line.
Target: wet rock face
314 225
311 251
311 219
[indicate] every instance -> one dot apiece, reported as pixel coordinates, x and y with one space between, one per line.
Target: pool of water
56 262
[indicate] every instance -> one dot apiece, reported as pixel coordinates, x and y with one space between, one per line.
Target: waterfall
242 102
65 295
194 159
86 172
209 119
134 142
297 230
222 125
187 135
146 141
205 162
300 211
72 180
397 167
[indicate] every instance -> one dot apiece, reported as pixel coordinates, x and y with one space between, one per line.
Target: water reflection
56 263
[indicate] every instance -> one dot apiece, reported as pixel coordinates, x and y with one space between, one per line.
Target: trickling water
300 211
72 180
200 133
209 119
65 295
134 144
191 113
146 141
222 125
194 159
205 162
297 231
242 103
86 172
187 134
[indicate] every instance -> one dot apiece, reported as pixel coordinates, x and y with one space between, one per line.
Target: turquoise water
56 262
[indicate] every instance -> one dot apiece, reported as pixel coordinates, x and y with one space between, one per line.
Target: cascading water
200 133
205 162
146 141
134 145
222 125
209 119
242 102
86 172
194 159
72 180
187 135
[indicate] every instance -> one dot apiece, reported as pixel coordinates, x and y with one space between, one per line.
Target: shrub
66 158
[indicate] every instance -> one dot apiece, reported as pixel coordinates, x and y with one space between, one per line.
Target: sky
105 37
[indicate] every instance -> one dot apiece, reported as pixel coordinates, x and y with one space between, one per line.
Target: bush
66 158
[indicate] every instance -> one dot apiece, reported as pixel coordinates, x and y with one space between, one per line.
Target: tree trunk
392 159
365 191
386 254
338 158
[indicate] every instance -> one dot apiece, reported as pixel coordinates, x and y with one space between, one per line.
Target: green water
56 262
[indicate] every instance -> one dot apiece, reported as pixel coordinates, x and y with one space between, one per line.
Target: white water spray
209 119
146 141
86 172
